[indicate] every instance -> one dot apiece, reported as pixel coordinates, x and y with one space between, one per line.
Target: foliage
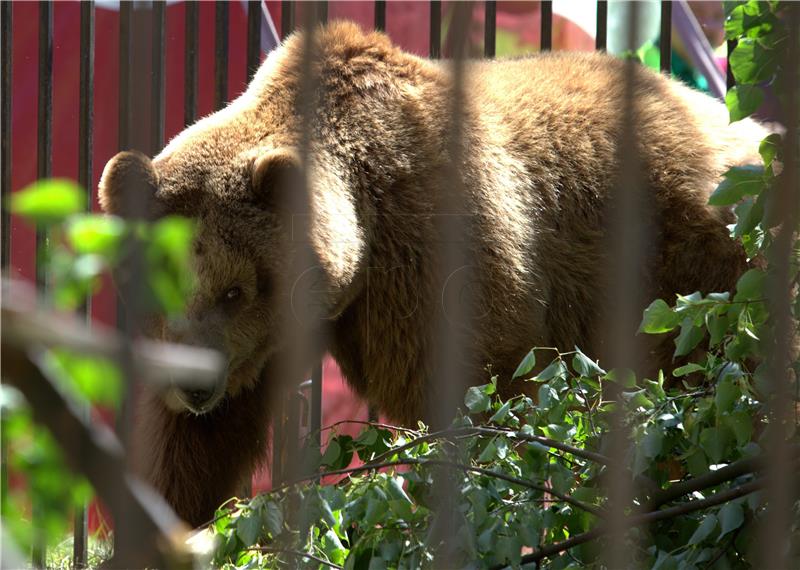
80 248
521 482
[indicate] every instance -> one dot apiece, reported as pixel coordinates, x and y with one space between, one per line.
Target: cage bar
5 137
435 49
546 25
6 39
287 17
44 162
490 29
730 81
157 74
221 22
123 134
80 541
452 313
627 239
44 159
191 26
665 40
253 37
380 15
601 35
781 494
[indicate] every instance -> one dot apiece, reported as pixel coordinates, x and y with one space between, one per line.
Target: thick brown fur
539 161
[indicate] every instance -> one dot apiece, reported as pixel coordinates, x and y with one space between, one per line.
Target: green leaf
476 400
333 548
273 518
659 318
526 365
48 201
556 369
585 366
332 454
500 415
704 530
247 527
739 181
750 285
715 441
96 379
688 369
90 233
768 149
731 517
741 424
752 63
726 395
743 100
689 337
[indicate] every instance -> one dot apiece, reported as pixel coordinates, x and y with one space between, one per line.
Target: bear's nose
198 398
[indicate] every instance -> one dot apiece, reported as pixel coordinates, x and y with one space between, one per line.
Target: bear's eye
232 294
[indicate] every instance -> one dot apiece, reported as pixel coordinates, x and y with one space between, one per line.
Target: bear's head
245 244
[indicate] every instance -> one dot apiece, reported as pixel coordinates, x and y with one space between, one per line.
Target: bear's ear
128 187
275 177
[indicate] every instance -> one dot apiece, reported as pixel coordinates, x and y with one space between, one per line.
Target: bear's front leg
197 461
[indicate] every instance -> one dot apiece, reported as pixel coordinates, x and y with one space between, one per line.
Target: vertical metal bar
158 71
490 29
253 37
221 54
123 133
136 74
435 49
316 371
191 25
781 494
455 273
287 17
45 114
380 15
6 43
316 403
601 36
124 143
665 40
730 81
43 170
546 25
627 239
5 152
80 540
280 469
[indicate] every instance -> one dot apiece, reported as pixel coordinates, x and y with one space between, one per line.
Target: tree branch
712 479
643 519
439 462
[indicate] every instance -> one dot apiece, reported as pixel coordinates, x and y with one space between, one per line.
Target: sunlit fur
540 137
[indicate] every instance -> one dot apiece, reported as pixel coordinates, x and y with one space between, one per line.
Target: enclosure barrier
149 524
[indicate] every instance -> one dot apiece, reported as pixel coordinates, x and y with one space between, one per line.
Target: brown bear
536 166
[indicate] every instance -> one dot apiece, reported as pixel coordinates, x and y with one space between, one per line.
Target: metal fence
147 520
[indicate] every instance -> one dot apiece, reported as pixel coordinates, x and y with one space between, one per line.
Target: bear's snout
199 401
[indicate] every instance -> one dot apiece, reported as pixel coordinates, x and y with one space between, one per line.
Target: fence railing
145 523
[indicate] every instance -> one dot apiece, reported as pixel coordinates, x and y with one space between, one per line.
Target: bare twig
95 452
161 363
